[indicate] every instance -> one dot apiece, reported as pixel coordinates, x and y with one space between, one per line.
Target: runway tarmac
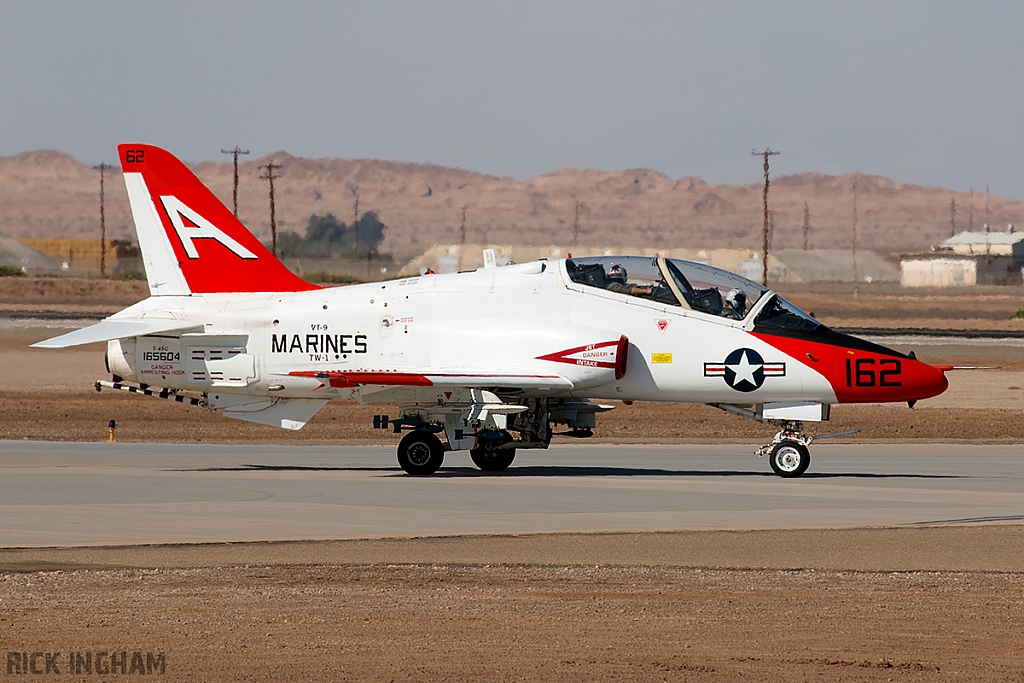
61 494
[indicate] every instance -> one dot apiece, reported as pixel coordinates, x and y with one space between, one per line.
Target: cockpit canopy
713 291
668 281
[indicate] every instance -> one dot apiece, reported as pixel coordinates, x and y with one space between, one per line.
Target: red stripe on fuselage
859 376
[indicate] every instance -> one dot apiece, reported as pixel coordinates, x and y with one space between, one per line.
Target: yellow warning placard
661 357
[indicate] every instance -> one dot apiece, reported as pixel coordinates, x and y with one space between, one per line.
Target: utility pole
807 224
576 225
462 230
970 213
764 233
986 205
952 216
855 275
234 192
355 220
270 177
102 168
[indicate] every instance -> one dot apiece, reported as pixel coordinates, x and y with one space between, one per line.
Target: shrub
11 271
128 275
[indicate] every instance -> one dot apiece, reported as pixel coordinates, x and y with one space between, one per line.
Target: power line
234 192
103 221
768 152
270 177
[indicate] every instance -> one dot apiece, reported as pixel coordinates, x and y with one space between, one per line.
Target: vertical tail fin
190 241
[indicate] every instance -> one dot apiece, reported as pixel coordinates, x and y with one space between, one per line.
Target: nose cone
922 380
861 371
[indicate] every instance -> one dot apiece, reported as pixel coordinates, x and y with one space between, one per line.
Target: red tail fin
190 241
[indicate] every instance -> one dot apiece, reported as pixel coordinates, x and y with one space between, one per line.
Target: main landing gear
493 455
480 422
420 453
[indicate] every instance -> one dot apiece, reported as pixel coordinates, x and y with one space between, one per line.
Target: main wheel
491 459
420 453
790 459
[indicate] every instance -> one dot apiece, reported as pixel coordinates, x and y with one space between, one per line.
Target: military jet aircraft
492 360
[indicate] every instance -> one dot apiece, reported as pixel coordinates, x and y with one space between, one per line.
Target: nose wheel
788 453
789 458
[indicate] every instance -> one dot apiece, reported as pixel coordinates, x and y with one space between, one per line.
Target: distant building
84 256
967 259
793 266
30 261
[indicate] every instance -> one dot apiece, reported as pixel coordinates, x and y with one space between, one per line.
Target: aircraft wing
347 379
113 329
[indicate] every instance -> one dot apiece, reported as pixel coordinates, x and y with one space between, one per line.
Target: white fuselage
492 324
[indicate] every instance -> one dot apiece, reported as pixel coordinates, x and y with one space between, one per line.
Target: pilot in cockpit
617 282
735 304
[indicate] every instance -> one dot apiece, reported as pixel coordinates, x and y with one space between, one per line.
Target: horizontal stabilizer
113 329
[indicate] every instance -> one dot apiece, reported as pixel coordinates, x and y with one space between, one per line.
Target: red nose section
864 375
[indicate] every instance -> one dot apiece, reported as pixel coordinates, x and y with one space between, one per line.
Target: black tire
491 459
790 459
420 453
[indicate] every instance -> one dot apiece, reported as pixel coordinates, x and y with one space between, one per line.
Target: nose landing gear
790 459
788 452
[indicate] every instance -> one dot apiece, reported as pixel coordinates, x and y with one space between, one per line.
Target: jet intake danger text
320 346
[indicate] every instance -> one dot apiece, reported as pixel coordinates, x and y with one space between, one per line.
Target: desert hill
50 194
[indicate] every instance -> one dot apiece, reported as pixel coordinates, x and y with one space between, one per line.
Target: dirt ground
644 620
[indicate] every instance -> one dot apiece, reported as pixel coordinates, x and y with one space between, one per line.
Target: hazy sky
923 92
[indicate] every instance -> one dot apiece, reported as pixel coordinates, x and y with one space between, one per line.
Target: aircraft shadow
563 471
288 468
592 471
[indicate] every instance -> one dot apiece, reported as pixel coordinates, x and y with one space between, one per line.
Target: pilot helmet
617 273
736 299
